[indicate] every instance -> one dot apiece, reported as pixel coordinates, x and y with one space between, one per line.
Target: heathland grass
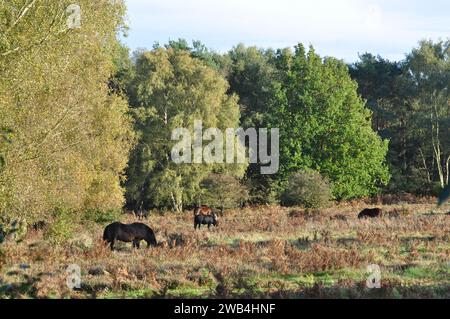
255 252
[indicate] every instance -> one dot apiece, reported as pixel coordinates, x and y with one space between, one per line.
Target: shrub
62 229
308 189
82 242
262 190
223 191
14 230
100 216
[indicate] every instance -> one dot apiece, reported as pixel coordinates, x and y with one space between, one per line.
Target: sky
339 28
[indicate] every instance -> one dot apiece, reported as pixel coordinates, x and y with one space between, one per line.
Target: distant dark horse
205 220
370 212
129 233
141 214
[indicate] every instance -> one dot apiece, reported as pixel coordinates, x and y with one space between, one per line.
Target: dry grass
256 252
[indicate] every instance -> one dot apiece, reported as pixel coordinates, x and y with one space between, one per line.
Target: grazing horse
205 220
370 212
134 232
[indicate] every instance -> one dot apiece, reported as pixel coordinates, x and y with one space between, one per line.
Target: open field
255 252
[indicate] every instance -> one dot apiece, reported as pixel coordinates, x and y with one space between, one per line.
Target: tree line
85 124
410 101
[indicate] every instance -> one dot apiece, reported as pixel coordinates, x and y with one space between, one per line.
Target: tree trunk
404 146
437 152
447 167
177 205
436 142
425 166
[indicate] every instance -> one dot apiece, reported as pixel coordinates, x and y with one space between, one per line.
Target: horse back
203 210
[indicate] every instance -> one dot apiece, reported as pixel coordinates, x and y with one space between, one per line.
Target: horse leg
112 245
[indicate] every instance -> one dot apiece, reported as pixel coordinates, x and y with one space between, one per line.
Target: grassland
259 252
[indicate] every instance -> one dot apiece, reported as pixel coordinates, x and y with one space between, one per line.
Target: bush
101 217
223 191
15 230
308 189
262 190
62 229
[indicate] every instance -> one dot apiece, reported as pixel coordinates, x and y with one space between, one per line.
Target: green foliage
223 191
172 91
198 51
15 229
325 126
66 131
252 76
122 70
62 229
415 182
308 189
71 133
101 216
427 70
377 83
410 101
262 189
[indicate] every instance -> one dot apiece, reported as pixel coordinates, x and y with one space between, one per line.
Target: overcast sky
339 28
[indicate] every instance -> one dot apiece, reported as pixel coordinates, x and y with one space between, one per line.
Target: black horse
129 233
370 212
205 220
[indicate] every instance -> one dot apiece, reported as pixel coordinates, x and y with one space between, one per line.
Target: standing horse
205 220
